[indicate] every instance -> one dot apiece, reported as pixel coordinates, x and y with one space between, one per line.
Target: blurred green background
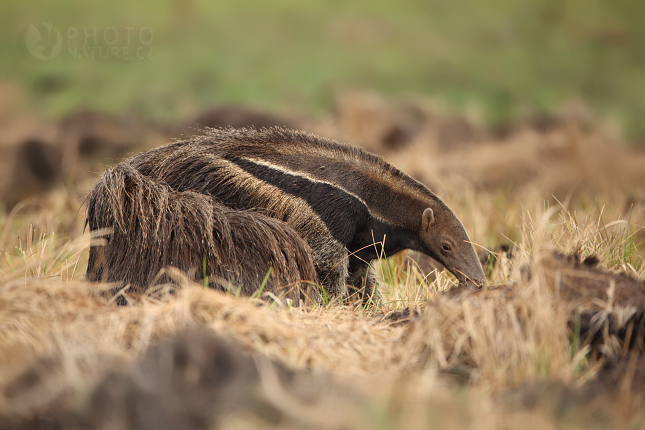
508 57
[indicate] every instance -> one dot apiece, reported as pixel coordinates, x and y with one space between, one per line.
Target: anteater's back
226 159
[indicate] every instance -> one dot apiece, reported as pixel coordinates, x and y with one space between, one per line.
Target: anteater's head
444 238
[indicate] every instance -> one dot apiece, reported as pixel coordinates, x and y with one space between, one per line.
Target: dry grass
506 357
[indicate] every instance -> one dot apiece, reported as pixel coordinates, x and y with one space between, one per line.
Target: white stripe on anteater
310 178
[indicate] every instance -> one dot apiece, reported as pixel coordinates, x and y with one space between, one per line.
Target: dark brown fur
154 227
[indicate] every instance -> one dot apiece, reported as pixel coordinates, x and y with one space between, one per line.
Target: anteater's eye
445 247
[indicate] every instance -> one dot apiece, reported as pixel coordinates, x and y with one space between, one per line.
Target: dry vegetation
555 342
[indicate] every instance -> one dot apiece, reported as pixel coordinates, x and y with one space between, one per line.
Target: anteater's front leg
331 265
361 281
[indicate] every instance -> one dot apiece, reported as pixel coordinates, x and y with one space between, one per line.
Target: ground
556 340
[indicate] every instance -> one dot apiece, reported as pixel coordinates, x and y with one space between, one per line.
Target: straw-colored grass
467 361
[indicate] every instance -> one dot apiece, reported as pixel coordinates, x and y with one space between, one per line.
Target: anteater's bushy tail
153 227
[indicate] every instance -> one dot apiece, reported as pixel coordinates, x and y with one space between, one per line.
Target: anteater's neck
378 239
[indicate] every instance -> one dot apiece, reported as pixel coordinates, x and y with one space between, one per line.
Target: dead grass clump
198 380
333 338
61 337
504 335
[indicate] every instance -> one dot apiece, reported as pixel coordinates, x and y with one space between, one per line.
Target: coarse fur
154 227
350 206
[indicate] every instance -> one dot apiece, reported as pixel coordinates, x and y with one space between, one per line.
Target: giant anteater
279 185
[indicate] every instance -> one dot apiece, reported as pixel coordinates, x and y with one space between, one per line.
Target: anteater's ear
428 219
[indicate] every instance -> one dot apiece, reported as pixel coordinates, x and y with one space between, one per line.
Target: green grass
507 57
